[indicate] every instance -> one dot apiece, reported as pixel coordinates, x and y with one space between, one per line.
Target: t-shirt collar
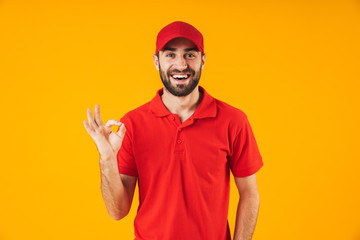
206 108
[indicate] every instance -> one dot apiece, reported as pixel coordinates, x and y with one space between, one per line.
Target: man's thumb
121 131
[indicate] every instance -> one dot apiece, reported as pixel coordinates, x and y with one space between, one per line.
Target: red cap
179 29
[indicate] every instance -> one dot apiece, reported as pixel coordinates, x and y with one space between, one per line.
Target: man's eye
169 55
190 55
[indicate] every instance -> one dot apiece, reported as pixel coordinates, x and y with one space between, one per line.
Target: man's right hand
107 142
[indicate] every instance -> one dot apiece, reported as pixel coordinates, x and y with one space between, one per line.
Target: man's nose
181 62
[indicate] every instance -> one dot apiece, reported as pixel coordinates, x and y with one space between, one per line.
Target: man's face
180 65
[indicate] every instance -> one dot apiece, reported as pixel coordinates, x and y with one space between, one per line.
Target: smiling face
180 65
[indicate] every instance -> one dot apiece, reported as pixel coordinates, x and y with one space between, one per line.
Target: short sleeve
245 158
125 156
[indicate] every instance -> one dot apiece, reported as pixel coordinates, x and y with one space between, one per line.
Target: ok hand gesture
107 142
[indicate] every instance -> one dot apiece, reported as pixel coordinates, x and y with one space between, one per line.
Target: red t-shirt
184 168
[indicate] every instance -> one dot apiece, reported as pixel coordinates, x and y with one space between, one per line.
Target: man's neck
185 105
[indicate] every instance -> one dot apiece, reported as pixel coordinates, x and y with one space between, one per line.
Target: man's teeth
180 76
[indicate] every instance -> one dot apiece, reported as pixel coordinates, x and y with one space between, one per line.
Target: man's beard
180 89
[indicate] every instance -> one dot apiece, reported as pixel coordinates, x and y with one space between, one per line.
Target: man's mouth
180 77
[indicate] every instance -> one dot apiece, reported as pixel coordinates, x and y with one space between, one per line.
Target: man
181 147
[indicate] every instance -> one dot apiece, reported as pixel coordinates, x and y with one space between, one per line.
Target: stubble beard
182 89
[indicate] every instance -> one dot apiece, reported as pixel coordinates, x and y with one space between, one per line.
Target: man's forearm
246 217
113 191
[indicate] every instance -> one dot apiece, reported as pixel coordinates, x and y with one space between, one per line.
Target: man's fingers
112 122
92 123
97 115
88 128
121 131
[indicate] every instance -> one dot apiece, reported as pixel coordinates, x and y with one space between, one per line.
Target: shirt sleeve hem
128 171
249 171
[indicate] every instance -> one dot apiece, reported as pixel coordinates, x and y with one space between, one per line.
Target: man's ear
203 61
156 61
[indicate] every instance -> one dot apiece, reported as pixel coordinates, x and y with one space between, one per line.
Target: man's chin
179 86
181 91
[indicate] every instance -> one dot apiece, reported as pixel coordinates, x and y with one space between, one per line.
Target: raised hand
107 142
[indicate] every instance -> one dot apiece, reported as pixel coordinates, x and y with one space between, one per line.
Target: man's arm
248 207
117 189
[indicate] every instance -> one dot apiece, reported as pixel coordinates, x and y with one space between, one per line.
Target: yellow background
291 66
